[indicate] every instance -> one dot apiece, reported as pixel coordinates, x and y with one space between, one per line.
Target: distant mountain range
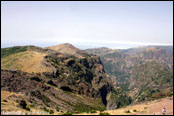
143 72
64 78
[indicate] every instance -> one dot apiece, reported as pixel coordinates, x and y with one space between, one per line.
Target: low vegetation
120 98
49 111
128 111
147 69
104 113
170 94
80 108
93 111
68 113
156 81
12 50
134 110
73 80
27 108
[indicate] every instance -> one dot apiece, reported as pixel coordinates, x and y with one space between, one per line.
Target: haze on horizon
87 24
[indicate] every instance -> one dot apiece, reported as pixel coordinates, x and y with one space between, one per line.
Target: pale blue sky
87 24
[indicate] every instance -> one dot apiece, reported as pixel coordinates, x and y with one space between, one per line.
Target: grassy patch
80 108
104 113
170 94
68 113
32 106
93 111
12 60
12 50
128 111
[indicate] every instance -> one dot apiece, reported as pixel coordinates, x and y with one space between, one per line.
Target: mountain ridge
121 66
80 76
106 75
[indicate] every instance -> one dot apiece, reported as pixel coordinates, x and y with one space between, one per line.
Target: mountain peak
62 46
66 48
67 45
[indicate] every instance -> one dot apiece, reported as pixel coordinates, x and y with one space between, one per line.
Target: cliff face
60 80
42 93
139 69
84 76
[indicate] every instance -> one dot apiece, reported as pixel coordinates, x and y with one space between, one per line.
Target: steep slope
70 83
25 58
146 108
39 92
100 51
67 48
125 65
151 80
12 50
134 51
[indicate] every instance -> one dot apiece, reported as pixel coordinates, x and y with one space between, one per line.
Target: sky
87 24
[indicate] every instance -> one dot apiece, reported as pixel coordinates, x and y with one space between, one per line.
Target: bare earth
28 61
148 108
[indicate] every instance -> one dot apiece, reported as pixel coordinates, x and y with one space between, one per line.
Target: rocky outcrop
71 74
84 76
144 72
43 93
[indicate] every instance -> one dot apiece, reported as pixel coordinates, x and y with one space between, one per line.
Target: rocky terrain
51 81
144 72
63 79
146 108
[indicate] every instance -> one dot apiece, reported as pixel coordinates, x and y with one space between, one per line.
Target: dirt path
152 107
148 108
157 106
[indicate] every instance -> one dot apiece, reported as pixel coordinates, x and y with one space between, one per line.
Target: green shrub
27 108
134 110
51 111
170 94
101 110
104 113
127 111
31 106
68 113
120 98
93 111
57 109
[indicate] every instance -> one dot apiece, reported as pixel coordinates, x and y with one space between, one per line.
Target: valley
138 70
64 79
146 108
